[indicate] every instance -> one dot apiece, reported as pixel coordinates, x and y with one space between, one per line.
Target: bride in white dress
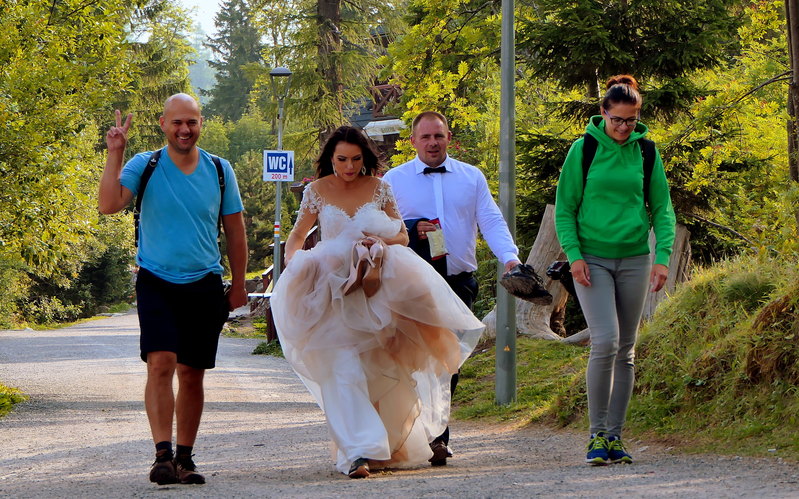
376 350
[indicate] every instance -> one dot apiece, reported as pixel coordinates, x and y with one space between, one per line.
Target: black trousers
465 286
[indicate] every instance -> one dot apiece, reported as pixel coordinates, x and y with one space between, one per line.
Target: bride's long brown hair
372 159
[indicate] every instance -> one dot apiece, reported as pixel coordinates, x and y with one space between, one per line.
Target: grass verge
545 372
717 368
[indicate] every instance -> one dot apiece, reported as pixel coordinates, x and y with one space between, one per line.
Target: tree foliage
202 76
575 42
60 63
159 52
64 64
332 48
727 158
236 49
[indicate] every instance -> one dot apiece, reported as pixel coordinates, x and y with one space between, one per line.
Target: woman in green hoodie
603 221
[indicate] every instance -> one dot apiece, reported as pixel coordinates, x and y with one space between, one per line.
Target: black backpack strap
145 177
589 151
220 173
648 153
148 172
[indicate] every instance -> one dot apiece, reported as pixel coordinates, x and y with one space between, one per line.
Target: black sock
184 452
165 445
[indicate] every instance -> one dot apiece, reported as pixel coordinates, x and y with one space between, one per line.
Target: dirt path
84 434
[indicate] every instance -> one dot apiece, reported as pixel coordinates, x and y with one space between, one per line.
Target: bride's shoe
371 280
359 468
360 259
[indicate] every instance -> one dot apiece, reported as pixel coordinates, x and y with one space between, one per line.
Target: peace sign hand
117 136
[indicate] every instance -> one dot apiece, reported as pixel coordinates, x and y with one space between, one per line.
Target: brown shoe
162 471
440 453
187 472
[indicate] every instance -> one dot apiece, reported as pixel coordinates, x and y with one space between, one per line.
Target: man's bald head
181 98
181 123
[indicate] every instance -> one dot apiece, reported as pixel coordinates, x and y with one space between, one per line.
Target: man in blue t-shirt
181 301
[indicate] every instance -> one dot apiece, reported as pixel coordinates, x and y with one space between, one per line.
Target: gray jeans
612 307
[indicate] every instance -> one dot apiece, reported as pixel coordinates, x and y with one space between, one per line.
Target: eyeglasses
616 121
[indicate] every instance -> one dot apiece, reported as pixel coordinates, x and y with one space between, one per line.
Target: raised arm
112 196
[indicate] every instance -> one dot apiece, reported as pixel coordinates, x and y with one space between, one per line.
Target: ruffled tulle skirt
379 367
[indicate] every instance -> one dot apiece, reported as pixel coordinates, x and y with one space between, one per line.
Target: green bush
102 281
13 286
272 348
9 397
50 310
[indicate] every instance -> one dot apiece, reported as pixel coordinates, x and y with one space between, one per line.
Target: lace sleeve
311 203
384 197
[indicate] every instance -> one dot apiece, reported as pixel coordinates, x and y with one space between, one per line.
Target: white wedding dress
379 367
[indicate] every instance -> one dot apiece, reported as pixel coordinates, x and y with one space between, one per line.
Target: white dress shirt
467 204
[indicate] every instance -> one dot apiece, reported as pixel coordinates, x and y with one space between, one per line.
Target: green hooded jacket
607 217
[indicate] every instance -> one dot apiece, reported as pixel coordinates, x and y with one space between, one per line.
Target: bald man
181 301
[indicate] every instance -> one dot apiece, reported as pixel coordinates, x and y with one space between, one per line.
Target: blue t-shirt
178 225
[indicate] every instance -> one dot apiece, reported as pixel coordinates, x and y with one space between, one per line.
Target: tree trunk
328 23
678 268
792 21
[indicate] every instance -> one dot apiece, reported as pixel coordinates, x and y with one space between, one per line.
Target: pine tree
580 43
160 54
333 48
237 45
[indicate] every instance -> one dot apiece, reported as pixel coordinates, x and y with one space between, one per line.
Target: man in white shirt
434 185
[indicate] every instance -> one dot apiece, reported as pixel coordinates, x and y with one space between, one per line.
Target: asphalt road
84 433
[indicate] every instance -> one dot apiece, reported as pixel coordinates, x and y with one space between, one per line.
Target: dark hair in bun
621 89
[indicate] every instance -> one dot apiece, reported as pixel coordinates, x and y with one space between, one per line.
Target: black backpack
647 152
148 172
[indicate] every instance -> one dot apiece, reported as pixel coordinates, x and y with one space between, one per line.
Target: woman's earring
335 172
363 170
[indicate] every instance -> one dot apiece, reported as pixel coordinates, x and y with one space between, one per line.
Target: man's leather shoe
440 453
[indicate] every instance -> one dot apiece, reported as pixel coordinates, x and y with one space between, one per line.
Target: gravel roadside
84 433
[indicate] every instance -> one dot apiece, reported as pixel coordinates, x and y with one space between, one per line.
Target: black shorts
182 318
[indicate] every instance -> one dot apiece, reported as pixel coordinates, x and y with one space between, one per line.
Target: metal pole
506 304
278 191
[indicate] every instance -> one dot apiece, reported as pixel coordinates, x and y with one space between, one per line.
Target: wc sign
278 166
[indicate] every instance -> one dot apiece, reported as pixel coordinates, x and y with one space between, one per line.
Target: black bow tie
438 169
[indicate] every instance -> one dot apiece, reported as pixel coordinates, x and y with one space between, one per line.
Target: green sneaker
616 451
597 450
